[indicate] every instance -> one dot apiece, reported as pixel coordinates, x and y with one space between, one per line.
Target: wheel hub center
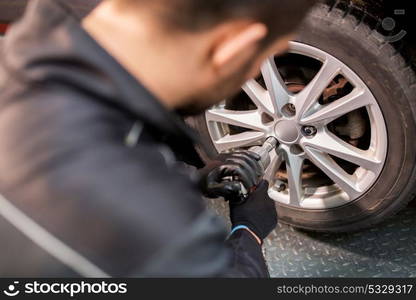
286 132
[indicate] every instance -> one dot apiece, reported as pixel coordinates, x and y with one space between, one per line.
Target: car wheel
342 105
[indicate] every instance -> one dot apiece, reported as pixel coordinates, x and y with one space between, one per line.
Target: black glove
258 212
242 166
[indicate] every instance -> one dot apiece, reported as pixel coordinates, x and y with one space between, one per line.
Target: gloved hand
243 166
258 212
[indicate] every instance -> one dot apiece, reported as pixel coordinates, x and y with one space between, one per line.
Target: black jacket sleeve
247 257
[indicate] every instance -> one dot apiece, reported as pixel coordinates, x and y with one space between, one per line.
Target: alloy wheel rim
300 124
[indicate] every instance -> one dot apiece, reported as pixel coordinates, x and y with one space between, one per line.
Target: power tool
263 152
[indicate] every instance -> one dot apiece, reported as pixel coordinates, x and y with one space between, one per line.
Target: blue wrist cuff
237 228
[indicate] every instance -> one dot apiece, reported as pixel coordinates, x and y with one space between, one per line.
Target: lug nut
289 110
282 187
309 130
292 108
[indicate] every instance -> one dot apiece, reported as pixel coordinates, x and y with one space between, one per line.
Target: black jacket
89 167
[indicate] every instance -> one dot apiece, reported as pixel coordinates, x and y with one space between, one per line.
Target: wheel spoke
338 108
239 140
276 86
259 96
246 119
327 142
294 166
344 181
311 93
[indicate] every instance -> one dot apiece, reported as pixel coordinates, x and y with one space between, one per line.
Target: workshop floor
388 250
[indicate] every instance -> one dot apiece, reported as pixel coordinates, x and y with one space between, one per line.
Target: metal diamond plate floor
388 250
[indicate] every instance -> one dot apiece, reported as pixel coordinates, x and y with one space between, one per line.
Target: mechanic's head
195 53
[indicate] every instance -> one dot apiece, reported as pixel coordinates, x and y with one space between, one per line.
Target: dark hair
281 16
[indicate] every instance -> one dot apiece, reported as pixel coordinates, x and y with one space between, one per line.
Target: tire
392 82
